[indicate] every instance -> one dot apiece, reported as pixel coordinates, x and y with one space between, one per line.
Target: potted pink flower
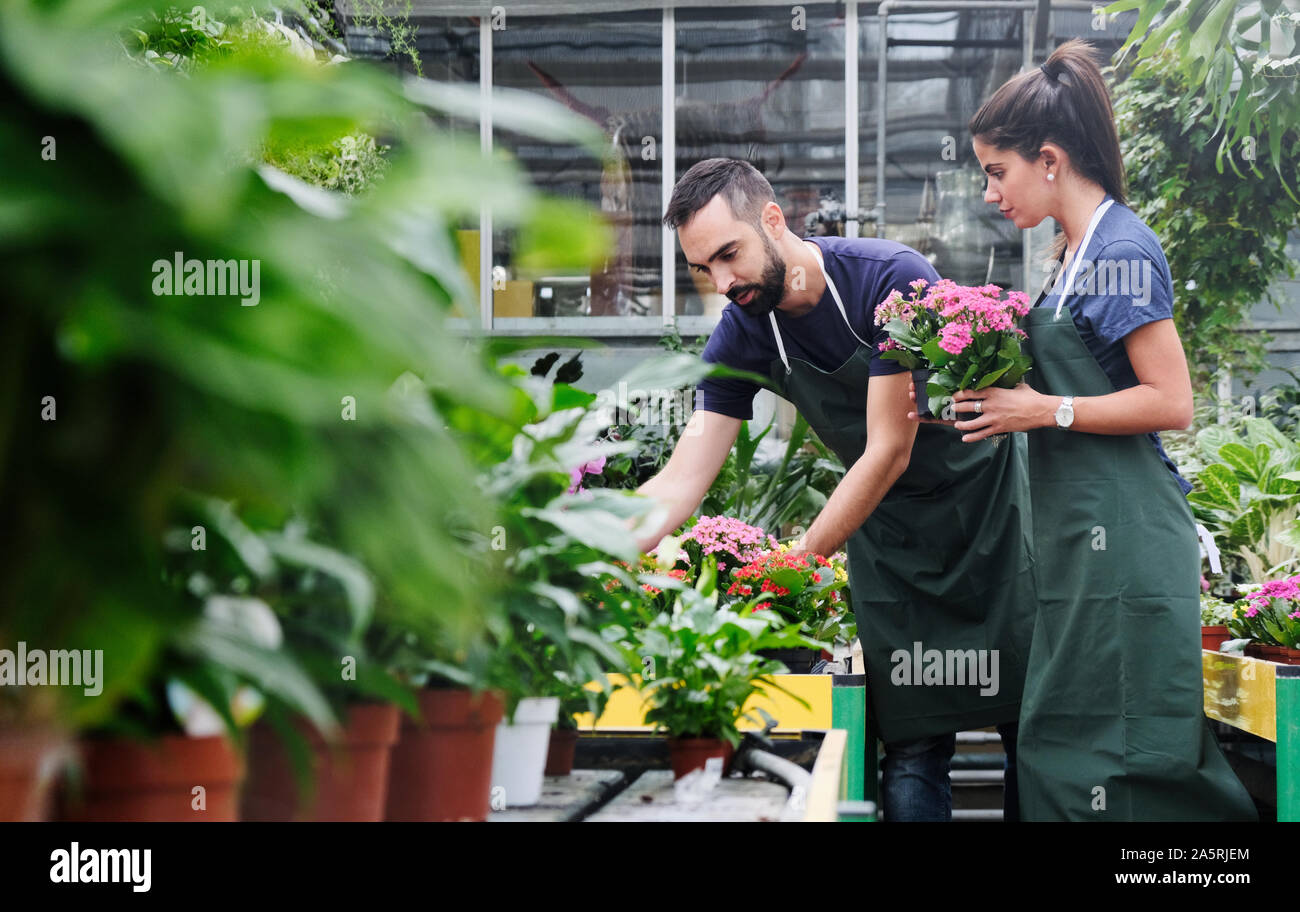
954 337
1270 616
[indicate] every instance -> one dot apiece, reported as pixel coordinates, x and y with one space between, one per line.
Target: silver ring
979 406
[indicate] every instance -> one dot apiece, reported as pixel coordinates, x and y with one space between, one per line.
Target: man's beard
770 290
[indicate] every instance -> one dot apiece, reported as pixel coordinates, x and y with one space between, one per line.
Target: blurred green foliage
1224 234
1237 61
317 401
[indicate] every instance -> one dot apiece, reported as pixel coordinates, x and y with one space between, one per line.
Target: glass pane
607 68
763 84
942 66
448 51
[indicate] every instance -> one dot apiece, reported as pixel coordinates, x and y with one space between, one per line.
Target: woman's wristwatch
1065 412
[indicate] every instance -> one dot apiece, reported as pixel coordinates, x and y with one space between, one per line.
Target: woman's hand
1002 410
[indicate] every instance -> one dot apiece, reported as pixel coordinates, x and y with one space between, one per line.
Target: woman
1112 724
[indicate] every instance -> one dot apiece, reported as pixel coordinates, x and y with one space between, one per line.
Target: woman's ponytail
1063 101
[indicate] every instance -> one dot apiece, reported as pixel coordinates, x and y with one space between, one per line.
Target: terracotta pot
129 780
349 779
1212 637
686 754
1280 654
559 755
28 764
441 769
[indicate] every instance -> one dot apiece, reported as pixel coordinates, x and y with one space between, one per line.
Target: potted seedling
556 536
172 748
1215 616
324 603
702 663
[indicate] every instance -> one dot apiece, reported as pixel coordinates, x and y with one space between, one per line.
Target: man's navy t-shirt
865 271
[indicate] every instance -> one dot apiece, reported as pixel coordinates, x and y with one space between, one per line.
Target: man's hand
683 482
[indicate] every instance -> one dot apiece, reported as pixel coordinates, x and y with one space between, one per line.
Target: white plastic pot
519 757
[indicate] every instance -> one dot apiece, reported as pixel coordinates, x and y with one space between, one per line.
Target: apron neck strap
835 292
1081 252
780 346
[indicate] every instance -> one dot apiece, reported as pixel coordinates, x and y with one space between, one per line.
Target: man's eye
729 256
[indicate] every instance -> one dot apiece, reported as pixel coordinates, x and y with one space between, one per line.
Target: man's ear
773 220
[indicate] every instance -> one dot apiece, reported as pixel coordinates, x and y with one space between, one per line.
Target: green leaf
936 355
1240 460
1220 486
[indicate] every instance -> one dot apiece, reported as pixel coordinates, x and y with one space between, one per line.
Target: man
937 530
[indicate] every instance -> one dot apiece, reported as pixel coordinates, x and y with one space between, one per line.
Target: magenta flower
593 467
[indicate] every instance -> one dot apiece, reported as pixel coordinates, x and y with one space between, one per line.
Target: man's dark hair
740 183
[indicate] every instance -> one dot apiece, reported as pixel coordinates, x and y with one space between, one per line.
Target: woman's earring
1051 177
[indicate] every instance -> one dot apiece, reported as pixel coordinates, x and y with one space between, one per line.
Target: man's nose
723 281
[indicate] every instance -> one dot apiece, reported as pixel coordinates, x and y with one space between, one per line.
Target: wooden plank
625 710
829 781
1240 691
652 799
564 797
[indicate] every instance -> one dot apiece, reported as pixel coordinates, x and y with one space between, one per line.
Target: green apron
944 561
1113 724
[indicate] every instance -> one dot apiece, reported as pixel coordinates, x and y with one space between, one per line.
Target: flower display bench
1262 698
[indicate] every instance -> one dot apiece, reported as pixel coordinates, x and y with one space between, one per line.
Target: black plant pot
920 378
799 661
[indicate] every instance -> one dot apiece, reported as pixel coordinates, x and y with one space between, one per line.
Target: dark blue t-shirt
865 271
1123 283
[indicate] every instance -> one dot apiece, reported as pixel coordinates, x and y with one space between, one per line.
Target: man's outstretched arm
889 447
700 452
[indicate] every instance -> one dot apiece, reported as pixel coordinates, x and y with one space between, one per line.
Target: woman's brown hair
1064 101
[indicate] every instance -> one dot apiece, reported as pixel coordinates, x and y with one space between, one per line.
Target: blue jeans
915 784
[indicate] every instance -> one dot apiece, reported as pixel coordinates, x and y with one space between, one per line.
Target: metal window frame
647 326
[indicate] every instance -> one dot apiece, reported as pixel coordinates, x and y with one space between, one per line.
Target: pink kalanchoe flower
723 535
954 338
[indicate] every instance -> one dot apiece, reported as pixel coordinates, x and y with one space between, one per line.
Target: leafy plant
704 662
1215 612
967 337
807 591
1270 615
789 491
314 400
1238 60
1224 235
1248 495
